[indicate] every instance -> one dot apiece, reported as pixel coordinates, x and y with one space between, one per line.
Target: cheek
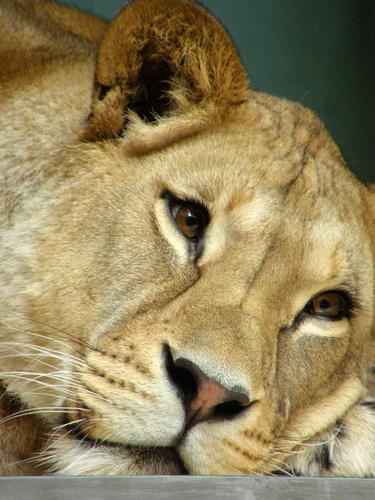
308 366
105 272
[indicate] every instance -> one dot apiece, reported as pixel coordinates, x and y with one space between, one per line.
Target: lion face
203 306
208 346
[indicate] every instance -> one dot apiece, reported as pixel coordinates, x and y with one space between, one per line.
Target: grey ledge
185 487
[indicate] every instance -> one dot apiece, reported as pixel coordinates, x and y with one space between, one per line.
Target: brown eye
191 218
331 305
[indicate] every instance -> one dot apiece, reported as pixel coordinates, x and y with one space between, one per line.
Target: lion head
191 289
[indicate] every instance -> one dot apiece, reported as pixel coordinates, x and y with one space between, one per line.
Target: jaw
66 455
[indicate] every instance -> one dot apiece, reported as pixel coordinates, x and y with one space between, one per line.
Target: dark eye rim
348 301
352 309
171 199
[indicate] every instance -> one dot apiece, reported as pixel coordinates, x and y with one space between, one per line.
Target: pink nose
215 400
204 397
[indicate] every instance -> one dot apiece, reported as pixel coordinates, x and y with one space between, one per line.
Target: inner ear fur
163 58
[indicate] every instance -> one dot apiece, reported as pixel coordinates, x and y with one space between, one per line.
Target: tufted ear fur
164 58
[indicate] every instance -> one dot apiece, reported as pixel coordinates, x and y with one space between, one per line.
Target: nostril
180 376
228 410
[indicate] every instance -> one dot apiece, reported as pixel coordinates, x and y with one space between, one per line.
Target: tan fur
96 123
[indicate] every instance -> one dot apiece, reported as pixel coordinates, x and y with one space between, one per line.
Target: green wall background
318 52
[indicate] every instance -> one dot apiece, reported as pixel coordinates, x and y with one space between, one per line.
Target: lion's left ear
161 58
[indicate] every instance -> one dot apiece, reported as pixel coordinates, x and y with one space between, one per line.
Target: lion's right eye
191 218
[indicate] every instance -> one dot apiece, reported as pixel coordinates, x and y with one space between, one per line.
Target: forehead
273 177
267 142
256 161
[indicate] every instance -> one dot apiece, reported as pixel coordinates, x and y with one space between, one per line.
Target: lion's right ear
162 58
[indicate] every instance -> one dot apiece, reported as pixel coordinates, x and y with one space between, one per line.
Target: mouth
157 457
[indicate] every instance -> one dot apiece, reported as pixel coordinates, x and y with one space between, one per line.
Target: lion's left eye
191 218
331 305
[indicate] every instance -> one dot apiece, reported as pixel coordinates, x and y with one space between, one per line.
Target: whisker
299 441
59 427
38 411
57 330
66 387
45 350
279 464
39 358
62 388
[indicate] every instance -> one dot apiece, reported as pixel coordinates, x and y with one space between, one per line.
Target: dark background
318 52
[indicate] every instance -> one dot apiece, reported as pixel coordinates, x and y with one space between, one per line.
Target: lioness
186 265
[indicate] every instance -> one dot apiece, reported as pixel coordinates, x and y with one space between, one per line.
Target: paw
347 450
